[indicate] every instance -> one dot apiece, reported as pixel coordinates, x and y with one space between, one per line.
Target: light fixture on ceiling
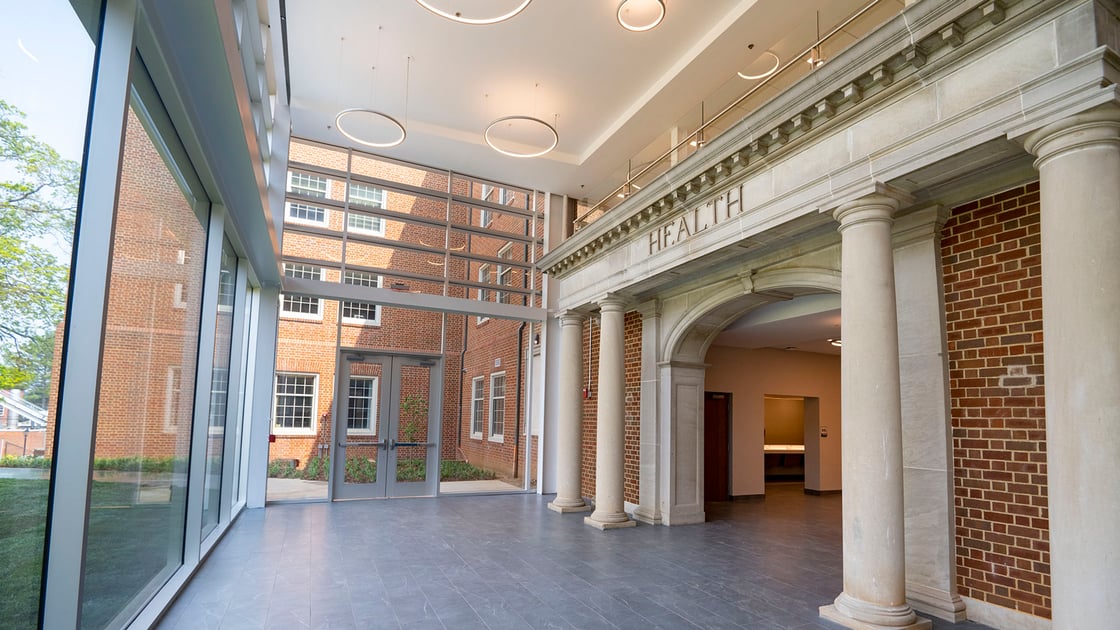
640 15
816 59
367 126
771 70
457 16
520 126
835 342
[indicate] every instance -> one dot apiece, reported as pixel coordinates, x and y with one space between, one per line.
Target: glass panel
145 402
363 404
219 388
44 94
386 169
412 430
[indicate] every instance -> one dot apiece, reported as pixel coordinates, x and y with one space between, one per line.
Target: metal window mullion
234 388
200 423
263 365
79 377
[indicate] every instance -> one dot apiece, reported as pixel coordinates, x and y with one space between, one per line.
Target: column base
860 615
609 521
648 519
935 602
565 506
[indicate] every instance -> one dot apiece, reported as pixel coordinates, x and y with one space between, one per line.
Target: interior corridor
507 562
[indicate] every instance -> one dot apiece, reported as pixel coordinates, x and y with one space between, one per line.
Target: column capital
870 208
612 302
649 308
1094 127
571 317
920 225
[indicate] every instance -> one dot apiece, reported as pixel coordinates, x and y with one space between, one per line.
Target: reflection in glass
44 96
219 388
144 413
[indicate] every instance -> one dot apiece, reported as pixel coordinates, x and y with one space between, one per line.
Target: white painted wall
751 374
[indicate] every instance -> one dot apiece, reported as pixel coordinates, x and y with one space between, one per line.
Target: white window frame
288 218
376 321
483 292
222 403
497 436
172 397
308 191
478 406
504 275
376 201
278 430
317 316
374 383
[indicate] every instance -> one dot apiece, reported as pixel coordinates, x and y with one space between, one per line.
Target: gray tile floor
508 562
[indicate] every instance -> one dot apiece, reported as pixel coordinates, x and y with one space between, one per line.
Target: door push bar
394 444
344 444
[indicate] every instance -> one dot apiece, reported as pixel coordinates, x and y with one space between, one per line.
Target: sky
46 58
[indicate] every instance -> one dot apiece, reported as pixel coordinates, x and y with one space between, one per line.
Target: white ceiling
609 92
612 94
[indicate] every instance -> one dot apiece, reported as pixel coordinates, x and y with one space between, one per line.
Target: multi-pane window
478 405
172 392
309 185
505 274
366 195
304 213
293 408
365 313
219 394
497 406
302 306
361 412
227 288
483 293
365 224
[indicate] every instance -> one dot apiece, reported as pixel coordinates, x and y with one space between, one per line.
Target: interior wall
784 420
752 374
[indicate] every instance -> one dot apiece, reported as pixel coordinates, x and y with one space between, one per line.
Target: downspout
462 371
520 368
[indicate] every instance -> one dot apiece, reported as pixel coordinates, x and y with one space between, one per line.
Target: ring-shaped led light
638 28
369 143
458 17
772 70
529 119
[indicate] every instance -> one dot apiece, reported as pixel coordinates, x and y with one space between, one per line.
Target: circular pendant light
518 136
370 128
773 68
640 15
457 16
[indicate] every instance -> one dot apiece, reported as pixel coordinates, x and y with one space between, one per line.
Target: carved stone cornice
891 60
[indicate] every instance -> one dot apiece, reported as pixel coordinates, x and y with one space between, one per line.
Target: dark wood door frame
717 446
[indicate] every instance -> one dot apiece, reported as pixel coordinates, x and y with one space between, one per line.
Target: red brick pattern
632 360
993 304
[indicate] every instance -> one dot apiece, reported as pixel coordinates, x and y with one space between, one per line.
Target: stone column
609 513
927 441
649 481
1079 170
874 553
570 416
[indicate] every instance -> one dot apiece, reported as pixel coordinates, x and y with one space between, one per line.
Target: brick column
874 553
1079 170
609 512
570 416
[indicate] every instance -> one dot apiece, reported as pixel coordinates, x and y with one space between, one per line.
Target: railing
737 110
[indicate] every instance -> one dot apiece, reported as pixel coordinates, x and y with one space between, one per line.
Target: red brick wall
993 305
632 362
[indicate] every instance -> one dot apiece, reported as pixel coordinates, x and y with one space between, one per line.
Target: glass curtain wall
148 369
219 388
377 225
47 57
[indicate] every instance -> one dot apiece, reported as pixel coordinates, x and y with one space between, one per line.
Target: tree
38 200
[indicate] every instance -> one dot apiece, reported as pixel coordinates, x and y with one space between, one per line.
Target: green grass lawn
131 548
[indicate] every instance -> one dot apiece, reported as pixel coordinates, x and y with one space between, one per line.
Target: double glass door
386 426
